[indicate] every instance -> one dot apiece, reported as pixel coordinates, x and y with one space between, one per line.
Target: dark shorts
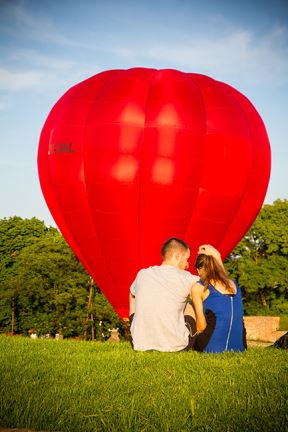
191 326
198 342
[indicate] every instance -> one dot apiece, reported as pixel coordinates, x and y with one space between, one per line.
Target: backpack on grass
282 342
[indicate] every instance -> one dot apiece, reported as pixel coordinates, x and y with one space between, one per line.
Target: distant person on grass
218 293
158 297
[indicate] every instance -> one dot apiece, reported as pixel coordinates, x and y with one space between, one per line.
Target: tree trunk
263 299
92 327
90 316
13 317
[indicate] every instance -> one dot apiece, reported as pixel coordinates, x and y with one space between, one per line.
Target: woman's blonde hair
214 271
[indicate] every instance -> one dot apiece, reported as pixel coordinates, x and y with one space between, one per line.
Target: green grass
85 386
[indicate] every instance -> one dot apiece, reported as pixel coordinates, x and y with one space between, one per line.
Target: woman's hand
210 250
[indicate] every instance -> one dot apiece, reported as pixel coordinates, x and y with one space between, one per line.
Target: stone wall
263 328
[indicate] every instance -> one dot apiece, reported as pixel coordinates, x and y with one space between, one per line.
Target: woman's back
228 309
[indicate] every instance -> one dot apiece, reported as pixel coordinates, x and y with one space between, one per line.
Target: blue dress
228 333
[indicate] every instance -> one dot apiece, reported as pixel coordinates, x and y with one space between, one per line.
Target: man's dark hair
173 244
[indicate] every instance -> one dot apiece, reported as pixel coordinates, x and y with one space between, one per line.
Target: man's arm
197 298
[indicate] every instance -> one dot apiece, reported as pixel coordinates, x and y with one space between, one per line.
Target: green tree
44 287
260 261
52 288
15 234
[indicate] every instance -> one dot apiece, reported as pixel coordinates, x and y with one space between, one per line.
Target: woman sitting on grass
220 296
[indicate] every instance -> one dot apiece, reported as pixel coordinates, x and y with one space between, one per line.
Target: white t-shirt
160 296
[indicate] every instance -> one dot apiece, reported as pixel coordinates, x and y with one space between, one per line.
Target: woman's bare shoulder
197 287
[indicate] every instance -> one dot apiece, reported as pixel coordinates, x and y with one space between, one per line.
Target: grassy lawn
89 386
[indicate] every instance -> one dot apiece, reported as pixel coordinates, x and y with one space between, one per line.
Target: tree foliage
260 261
43 286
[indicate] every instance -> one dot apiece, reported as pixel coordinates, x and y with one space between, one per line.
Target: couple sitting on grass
172 310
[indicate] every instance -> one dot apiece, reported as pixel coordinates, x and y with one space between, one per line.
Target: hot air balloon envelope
129 158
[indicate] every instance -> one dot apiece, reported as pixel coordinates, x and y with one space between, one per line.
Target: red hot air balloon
129 158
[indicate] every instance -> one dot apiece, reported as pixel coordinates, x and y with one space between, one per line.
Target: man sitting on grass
157 300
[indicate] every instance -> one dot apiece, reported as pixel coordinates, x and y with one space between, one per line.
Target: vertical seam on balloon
227 90
194 78
88 203
154 71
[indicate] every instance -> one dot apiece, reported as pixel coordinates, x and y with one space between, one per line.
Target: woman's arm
197 298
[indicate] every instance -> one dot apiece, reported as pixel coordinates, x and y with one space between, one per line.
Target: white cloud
241 54
58 78
21 80
233 54
24 69
38 59
40 28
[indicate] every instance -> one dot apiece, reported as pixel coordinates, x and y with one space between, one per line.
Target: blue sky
47 46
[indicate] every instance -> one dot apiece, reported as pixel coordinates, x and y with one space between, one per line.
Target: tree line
45 289
260 262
